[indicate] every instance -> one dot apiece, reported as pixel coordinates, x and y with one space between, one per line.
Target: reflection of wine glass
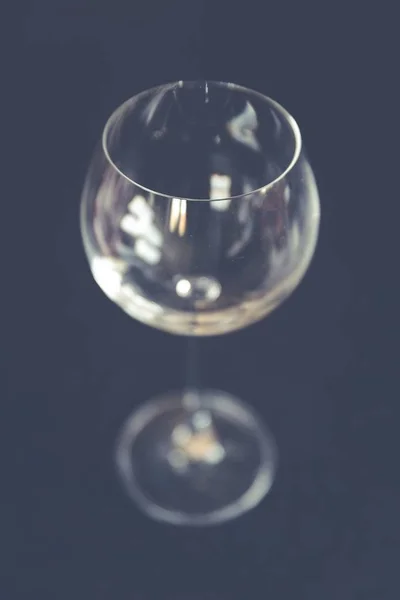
199 216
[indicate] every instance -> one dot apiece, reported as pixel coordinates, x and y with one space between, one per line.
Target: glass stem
202 443
201 419
192 387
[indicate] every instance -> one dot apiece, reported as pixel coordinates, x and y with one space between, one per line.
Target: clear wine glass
199 216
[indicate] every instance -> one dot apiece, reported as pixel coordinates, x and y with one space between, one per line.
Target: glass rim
290 120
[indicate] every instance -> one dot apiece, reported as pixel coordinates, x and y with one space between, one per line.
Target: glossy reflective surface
200 211
200 215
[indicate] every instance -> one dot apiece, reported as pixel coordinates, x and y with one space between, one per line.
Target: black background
320 369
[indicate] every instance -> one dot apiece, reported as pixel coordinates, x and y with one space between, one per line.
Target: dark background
321 369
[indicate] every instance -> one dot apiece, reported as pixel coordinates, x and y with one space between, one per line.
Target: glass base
196 458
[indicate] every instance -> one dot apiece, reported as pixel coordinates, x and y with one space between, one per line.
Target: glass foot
196 459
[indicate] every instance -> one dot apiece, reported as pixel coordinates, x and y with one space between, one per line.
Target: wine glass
199 216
